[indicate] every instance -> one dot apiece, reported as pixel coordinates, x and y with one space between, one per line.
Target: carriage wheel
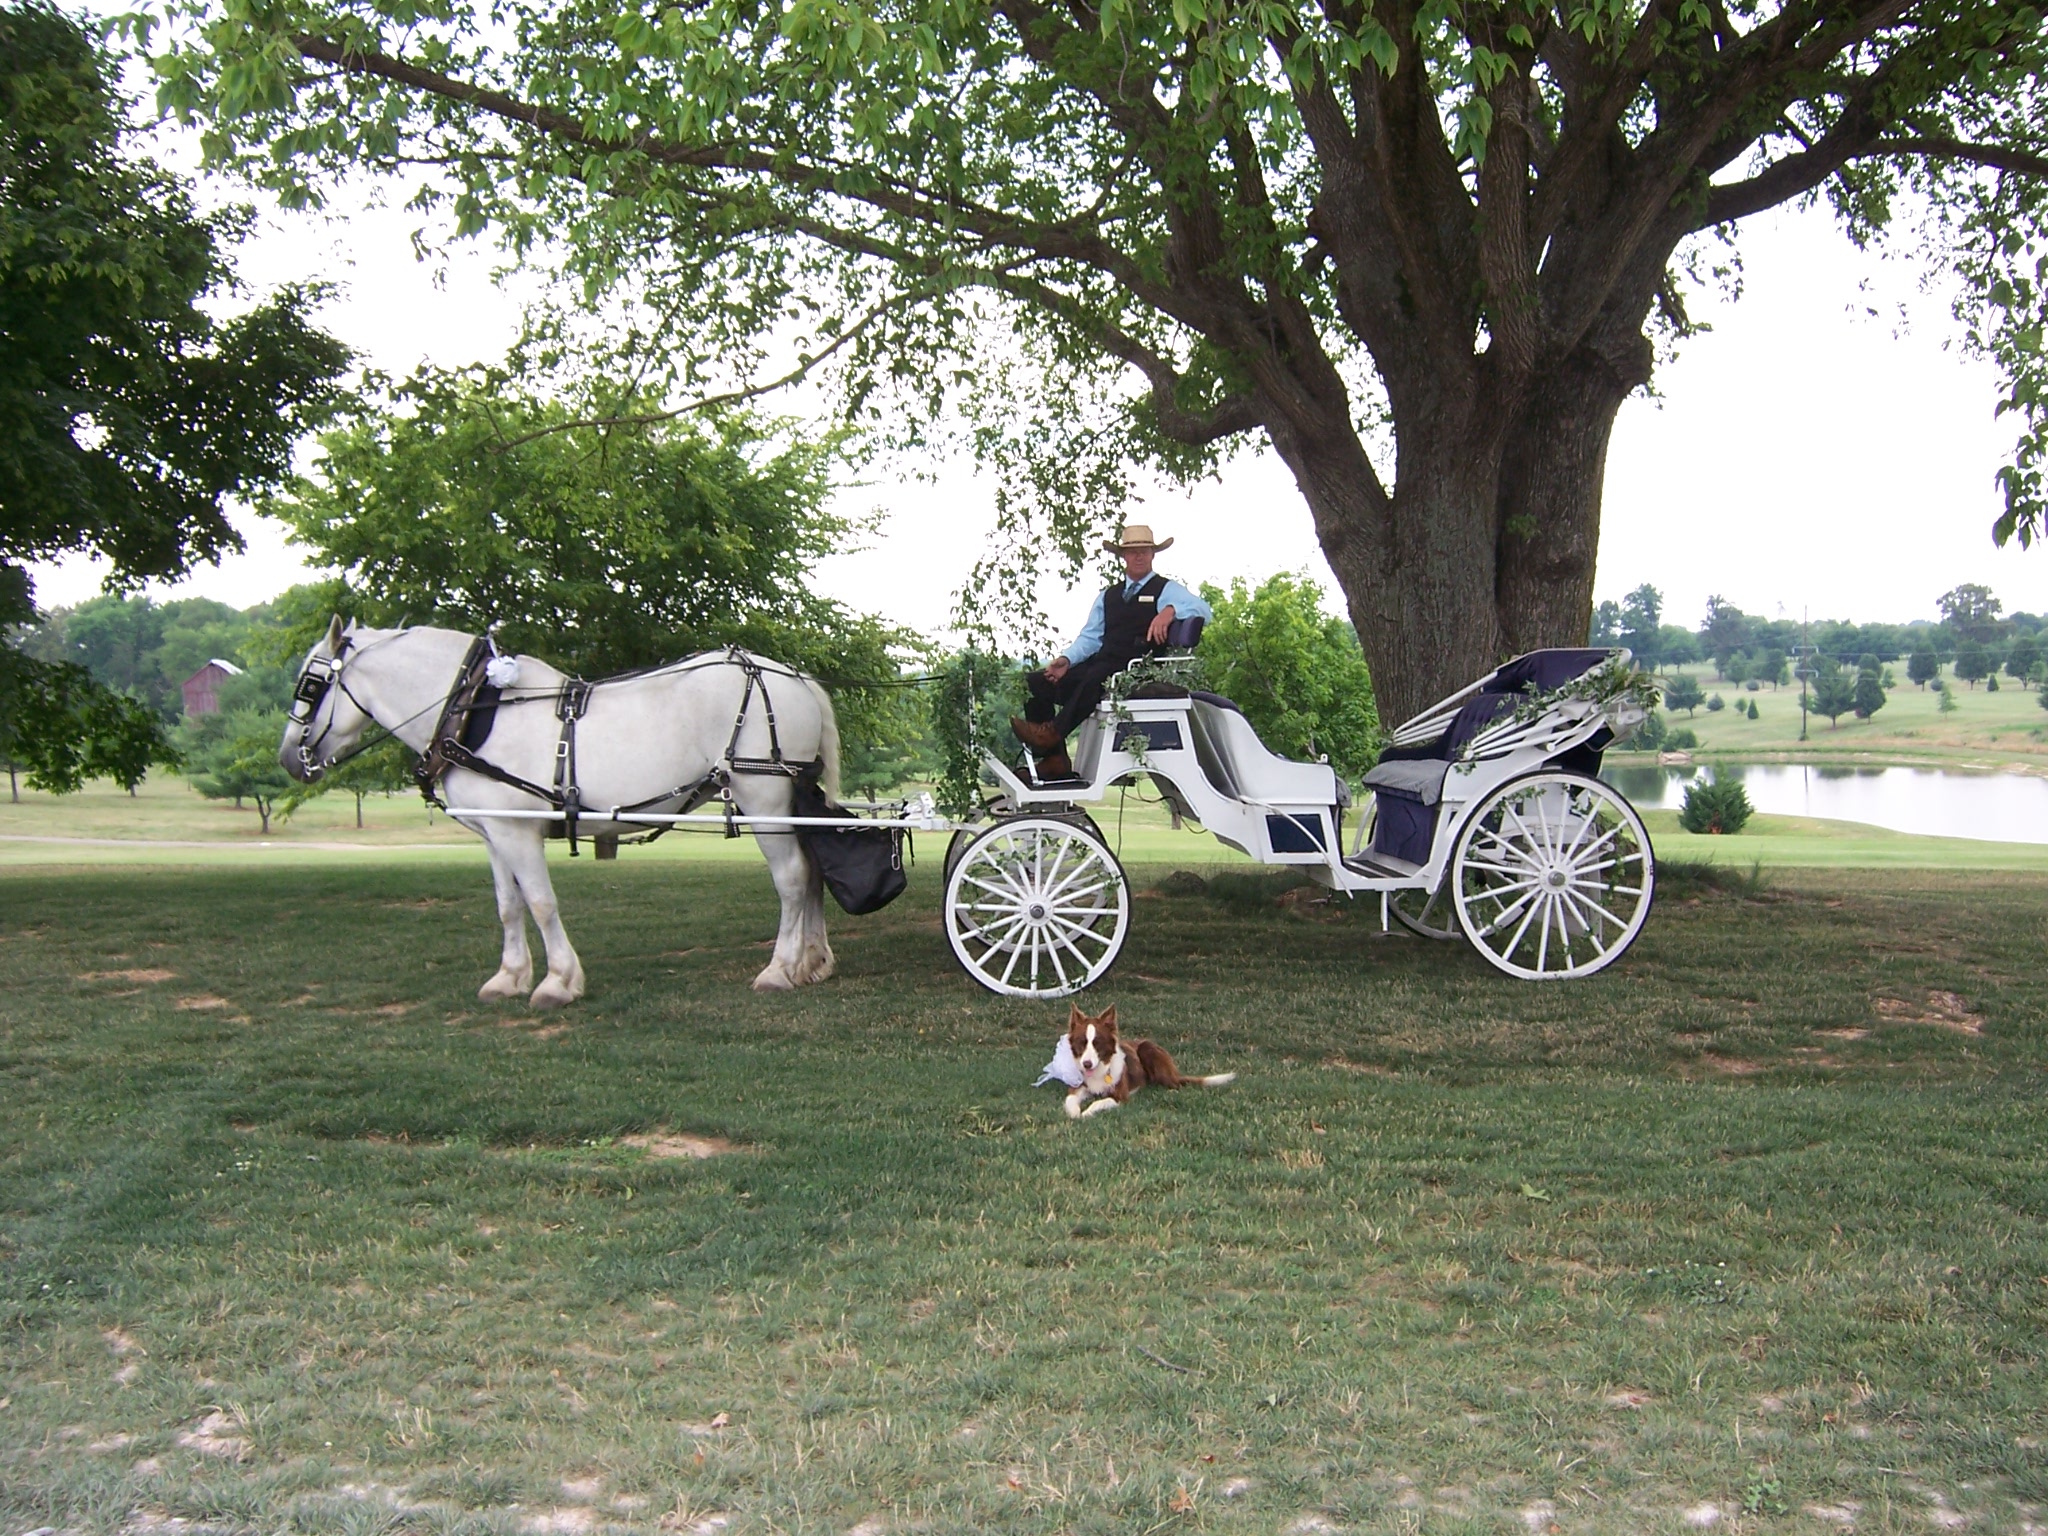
1035 907
1432 914
1553 876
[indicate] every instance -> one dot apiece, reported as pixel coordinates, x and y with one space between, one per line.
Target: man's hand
1057 668
1156 635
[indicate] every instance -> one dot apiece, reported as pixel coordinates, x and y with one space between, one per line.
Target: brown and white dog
1112 1072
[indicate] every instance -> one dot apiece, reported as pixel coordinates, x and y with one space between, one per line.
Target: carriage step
1380 866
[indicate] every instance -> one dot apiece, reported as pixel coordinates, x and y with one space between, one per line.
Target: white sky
1808 454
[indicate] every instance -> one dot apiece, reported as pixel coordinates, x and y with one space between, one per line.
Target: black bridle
317 679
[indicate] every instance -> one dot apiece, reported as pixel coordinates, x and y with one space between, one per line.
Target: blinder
315 683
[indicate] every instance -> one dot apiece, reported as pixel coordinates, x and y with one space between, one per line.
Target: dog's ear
1075 1017
1107 1016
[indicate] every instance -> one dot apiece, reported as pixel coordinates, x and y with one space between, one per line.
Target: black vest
1125 619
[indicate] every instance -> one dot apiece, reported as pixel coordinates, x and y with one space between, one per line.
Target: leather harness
454 744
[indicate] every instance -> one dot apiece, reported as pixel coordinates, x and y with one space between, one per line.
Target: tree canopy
463 501
129 410
1423 251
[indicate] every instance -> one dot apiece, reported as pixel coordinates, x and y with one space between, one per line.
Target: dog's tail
1213 1080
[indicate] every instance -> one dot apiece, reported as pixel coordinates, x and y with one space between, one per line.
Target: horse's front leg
801 953
515 970
526 853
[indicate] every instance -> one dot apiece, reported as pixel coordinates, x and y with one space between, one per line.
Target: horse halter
321 676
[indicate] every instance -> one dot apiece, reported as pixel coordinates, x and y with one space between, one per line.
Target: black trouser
1073 698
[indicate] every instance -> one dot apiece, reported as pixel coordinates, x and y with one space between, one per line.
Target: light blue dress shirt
1185 605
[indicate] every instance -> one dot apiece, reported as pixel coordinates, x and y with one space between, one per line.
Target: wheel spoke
1052 951
1080 930
1546 904
1588 905
1534 902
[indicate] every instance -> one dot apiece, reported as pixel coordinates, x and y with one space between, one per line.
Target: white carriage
1484 819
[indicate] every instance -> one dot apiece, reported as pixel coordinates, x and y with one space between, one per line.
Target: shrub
1715 704
1991 683
1752 709
1721 808
1681 740
1682 692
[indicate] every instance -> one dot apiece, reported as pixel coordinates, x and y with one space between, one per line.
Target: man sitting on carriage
1129 620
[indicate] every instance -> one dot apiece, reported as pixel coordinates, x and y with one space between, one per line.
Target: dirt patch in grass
1944 1010
1361 1068
219 1434
678 1144
147 975
202 1002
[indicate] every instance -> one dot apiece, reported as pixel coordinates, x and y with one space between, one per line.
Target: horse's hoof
504 985
773 979
554 993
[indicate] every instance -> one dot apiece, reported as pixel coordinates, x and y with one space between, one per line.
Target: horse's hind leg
515 970
526 853
801 953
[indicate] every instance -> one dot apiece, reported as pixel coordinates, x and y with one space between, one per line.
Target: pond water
1939 802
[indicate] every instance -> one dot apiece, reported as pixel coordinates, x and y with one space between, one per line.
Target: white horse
641 737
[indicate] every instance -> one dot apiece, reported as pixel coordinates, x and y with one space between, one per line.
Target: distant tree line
1973 634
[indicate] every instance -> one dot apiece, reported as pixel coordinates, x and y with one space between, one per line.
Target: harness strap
445 748
569 708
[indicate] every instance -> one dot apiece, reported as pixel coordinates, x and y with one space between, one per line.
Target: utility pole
1805 671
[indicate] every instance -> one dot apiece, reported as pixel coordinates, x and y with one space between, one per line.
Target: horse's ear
335 633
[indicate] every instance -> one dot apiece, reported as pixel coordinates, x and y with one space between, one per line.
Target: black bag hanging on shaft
862 866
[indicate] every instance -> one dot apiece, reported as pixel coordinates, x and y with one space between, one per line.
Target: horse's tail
828 737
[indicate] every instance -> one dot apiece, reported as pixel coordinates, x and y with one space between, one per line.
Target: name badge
1147 599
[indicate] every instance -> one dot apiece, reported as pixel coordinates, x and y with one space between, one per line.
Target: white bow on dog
1062 1068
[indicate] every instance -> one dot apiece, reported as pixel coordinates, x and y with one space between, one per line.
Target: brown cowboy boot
1037 734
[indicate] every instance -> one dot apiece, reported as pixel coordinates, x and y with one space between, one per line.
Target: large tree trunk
1549 498
1478 556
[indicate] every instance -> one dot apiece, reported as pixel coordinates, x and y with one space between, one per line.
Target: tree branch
1234 414
1996 156
730 397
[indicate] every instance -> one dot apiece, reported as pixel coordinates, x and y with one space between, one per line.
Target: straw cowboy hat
1137 536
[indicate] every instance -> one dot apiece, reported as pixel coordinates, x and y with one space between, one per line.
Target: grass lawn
297 1236
1986 729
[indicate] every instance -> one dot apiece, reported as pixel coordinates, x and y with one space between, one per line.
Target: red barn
201 697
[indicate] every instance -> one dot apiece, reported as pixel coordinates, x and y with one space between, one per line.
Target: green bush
1681 740
1715 704
1720 808
1297 673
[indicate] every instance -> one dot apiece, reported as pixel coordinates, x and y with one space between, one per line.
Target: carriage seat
1240 766
1182 635
1504 687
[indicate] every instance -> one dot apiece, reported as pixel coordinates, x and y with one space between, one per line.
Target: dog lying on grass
1111 1072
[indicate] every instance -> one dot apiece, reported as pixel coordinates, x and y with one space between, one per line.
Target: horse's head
326 720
